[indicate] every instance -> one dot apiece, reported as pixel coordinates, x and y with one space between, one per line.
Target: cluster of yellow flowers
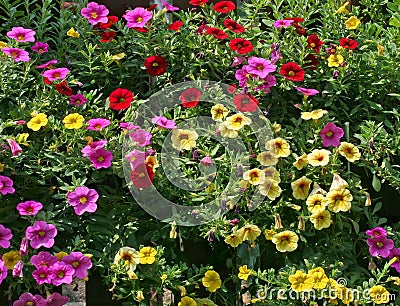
232 125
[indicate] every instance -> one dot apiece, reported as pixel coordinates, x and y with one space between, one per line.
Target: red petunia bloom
245 103
310 62
141 30
109 23
198 2
233 26
46 81
107 36
314 42
224 6
292 71
190 97
120 98
296 20
301 31
155 65
241 45
348 43
217 33
63 89
175 26
142 176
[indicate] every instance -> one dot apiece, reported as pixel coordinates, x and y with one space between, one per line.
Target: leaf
377 207
376 183
394 22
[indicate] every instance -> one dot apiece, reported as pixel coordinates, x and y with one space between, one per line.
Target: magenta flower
40 47
140 137
17 54
242 75
260 66
268 82
376 232
43 275
6 185
93 147
56 74
15 147
275 53
17 270
56 299
3 271
79 262
282 23
164 122
23 248
380 246
21 34
238 60
41 234
307 91
206 161
97 124
47 64
136 158
95 13
138 17
77 99
28 299
101 158
395 253
29 208
62 273
43 259
169 7
5 236
128 126
331 135
83 199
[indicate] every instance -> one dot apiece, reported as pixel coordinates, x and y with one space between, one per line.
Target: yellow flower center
155 64
379 244
100 158
56 75
329 134
260 67
75 264
291 73
312 45
83 200
60 274
14 54
21 37
42 275
139 19
41 233
94 15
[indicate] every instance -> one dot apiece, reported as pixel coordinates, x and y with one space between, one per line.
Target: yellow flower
3 45
205 302
349 151
1 167
184 139
285 241
278 221
269 234
164 277
60 255
315 203
338 200
279 147
272 173
315 114
381 50
334 60
266 158
22 139
237 121
211 280
10 259
187 301
343 8
118 57
321 219
152 162
234 239
227 132
301 162
301 187
301 281
270 188
249 232
219 112
71 32
140 296
319 277
318 157
345 295
254 176
338 183
183 290
37 122
352 23
147 255
129 256
73 121
132 275
244 272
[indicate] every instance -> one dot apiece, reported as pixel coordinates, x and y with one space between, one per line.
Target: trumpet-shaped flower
224 6
211 280
379 295
37 122
97 124
301 188
147 255
285 241
129 257
138 17
83 199
376 232
187 301
254 176
73 121
184 139
77 99
349 151
6 185
17 54
21 34
79 262
62 273
155 65
321 219
234 239
120 98
301 281
270 188
338 200
101 158
95 13
43 259
29 208
292 71
260 67
244 272
5 236
316 203
315 114
233 26
279 147
352 23
219 112
318 157
331 135
56 74
380 246
41 234
190 97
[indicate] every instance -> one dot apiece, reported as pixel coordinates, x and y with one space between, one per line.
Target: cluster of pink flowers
98 156
55 299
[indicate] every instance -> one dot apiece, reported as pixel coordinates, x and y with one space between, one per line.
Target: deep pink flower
282 23
307 91
128 126
79 262
92 147
242 75
56 299
275 53
95 13
40 47
29 208
138 17
376 232
43 275
331 135
77 99
380 246
268 82
21 34
136 157
5 236
23 248
28 299
15 147
41 234
97 124
56 74
62 273
17 54
101 158
169 7
43 259
238 60
164 122
83 200
48 64
17 270
260 66
3 271
141 137
395 253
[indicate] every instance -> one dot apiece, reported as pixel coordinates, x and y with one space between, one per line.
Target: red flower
109 23
198 2
107 36
46 81
233 26
301 31
63 89
217 33
190 97
120 98
155 65
232 89
348 43
292 71
151 7
142 176
245 103
241 45
310 62
296 20
141 30
175 26
202 29
224 6
314 42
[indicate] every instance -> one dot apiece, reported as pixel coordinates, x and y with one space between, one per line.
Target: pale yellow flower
315 203
334 60
352 23
301 162
72 33
73 121
272 173
285 241
381 50
219 112
301 188
270 188
338 200
37 122
301 281
315 114
140 296
269 234
237 121
343 8
349 151
338 183
234 239
227 132
22 139
129 256
254 176
3 45
184 139
266 158
321 219
318 157
249 232
279 147
152 162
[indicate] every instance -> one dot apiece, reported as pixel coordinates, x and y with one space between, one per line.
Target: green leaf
394 22
376 183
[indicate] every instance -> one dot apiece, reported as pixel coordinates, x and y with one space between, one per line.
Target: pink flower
44 259
395 253
307 91
206 161
169 7
56 299
380 246
62 273
83 199
95 13
79 262
15 147
282 23
128 126
5 236
238 60
97 124
40 47
164 122
260 66
141 137
18 55
41 234
92 147
331 135
376 232
77 99
28 299
17 270
136 157
56 74
275 53
101 158
43 275
47 64
3 271
23 248
6 185
268 82
21 34
29 208
138 17
242 76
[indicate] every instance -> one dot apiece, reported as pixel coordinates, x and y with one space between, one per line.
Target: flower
211 280
190 97
241 45
3 44
55 74
349 151
101 158
29 208
73 121
3 270
110 21
270 188
62 273
352 23
136 157
187 301
334 60
331 135
348 43
224 6
138 17
147 255
380 246
17 54
28 299
254 176
315 114
217 33
56 299
14 146
338 200
219 112
48 64
301 162
77 99
279 147
319 277
41 234
79 262
107 36
249 232
301 187
140 296
206 161
141 137
244 272
379 294
43 259
198 2
233 26
267 158
321 219
395 256
95 13
237 121
21 34
129 256
6 185
245 103
301 281
343 8
260 66
37 122
142 176
10 259
175 26
83 199
164 122
97 124
23 248
314 42
155 65
282 23
72 33
316 203
92 147
40 47
307 91
292 71
169 7
63 88
120 98
224 131
184 139
18 269
5 236
43 275
318 157
285 241
376 232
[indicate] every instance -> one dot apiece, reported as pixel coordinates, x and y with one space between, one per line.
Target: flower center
75 264
183 136
312 45
83 200
21 37
56 75
60 274
291 73
30 209
42 275
329 134
29 304
97 126
121 99
100 158
94 15
41 233
338 199
239 46
14 54
379 244
142 174
155 65
139 19
260 67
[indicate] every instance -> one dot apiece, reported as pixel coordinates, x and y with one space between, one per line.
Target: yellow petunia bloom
318 157
10 259
211 280
301 281
279 147
152 162
237 121
338 183
285 241
266 158
270 188
315 203
147 255
301 188
254 176
349 151
129 256
249 232
244 272
315 114
22 139
338 200
132 275
187 301
321 219
72 33
343 8
227 132
269 234
272 173
73 121
345 295
184 139
140 296
334 60
301 162
381 50
352 23
219 112
3 45
37 122
234 239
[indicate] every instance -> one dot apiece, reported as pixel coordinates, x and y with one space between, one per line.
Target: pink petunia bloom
282 23
92 147
128 126
138 17
164 122
43 275
3 271
18 269
56 74
62 273
260 66
77 99
95 13
5 236
97 124
15 147
331 135
83 199
206 161
29 299
56 299
395 253
79 262
40 47
23 248
380 246
376 232
136 157
101 158
268 82
169 7
41 234
307 91
238 60
242 75
43 259
29 208
21 34
17 54
275 55
140 137
48 64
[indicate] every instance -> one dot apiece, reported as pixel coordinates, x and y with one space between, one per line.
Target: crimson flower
245 103
142 176
198 2
64 89
301 31
292 71
107 36
233 26
224 6
241 45
175 26
190 97
348 43
217 33
109 23
155 65
295 19
120 98
314 42
310 62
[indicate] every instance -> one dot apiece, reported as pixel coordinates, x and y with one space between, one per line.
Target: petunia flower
285 241
350 151
260 66
73 121
29 208
101 158
331 135
5 236
301 188
211 280
352 23
245 103
279 147
62 272
17 54
64 89
395 253
142 176
238 60
77 99
190 97
169 7
335 60
141 137
120 98
97 124
56 299
314 42
79 262
18 269
224 6
56 74
43 275
21 34
348 43
29 299
95 13
183 139
72 33
321 219
217 33
282 23
198 2
155 65
292 71
275 55
128 126
138 17
83 199
147 255
41 234
380 246
164 122
92 147
40 47
6 185
47 64
318 157
241 45
110 21
175 26
233 26
14 146
307 91
44 259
